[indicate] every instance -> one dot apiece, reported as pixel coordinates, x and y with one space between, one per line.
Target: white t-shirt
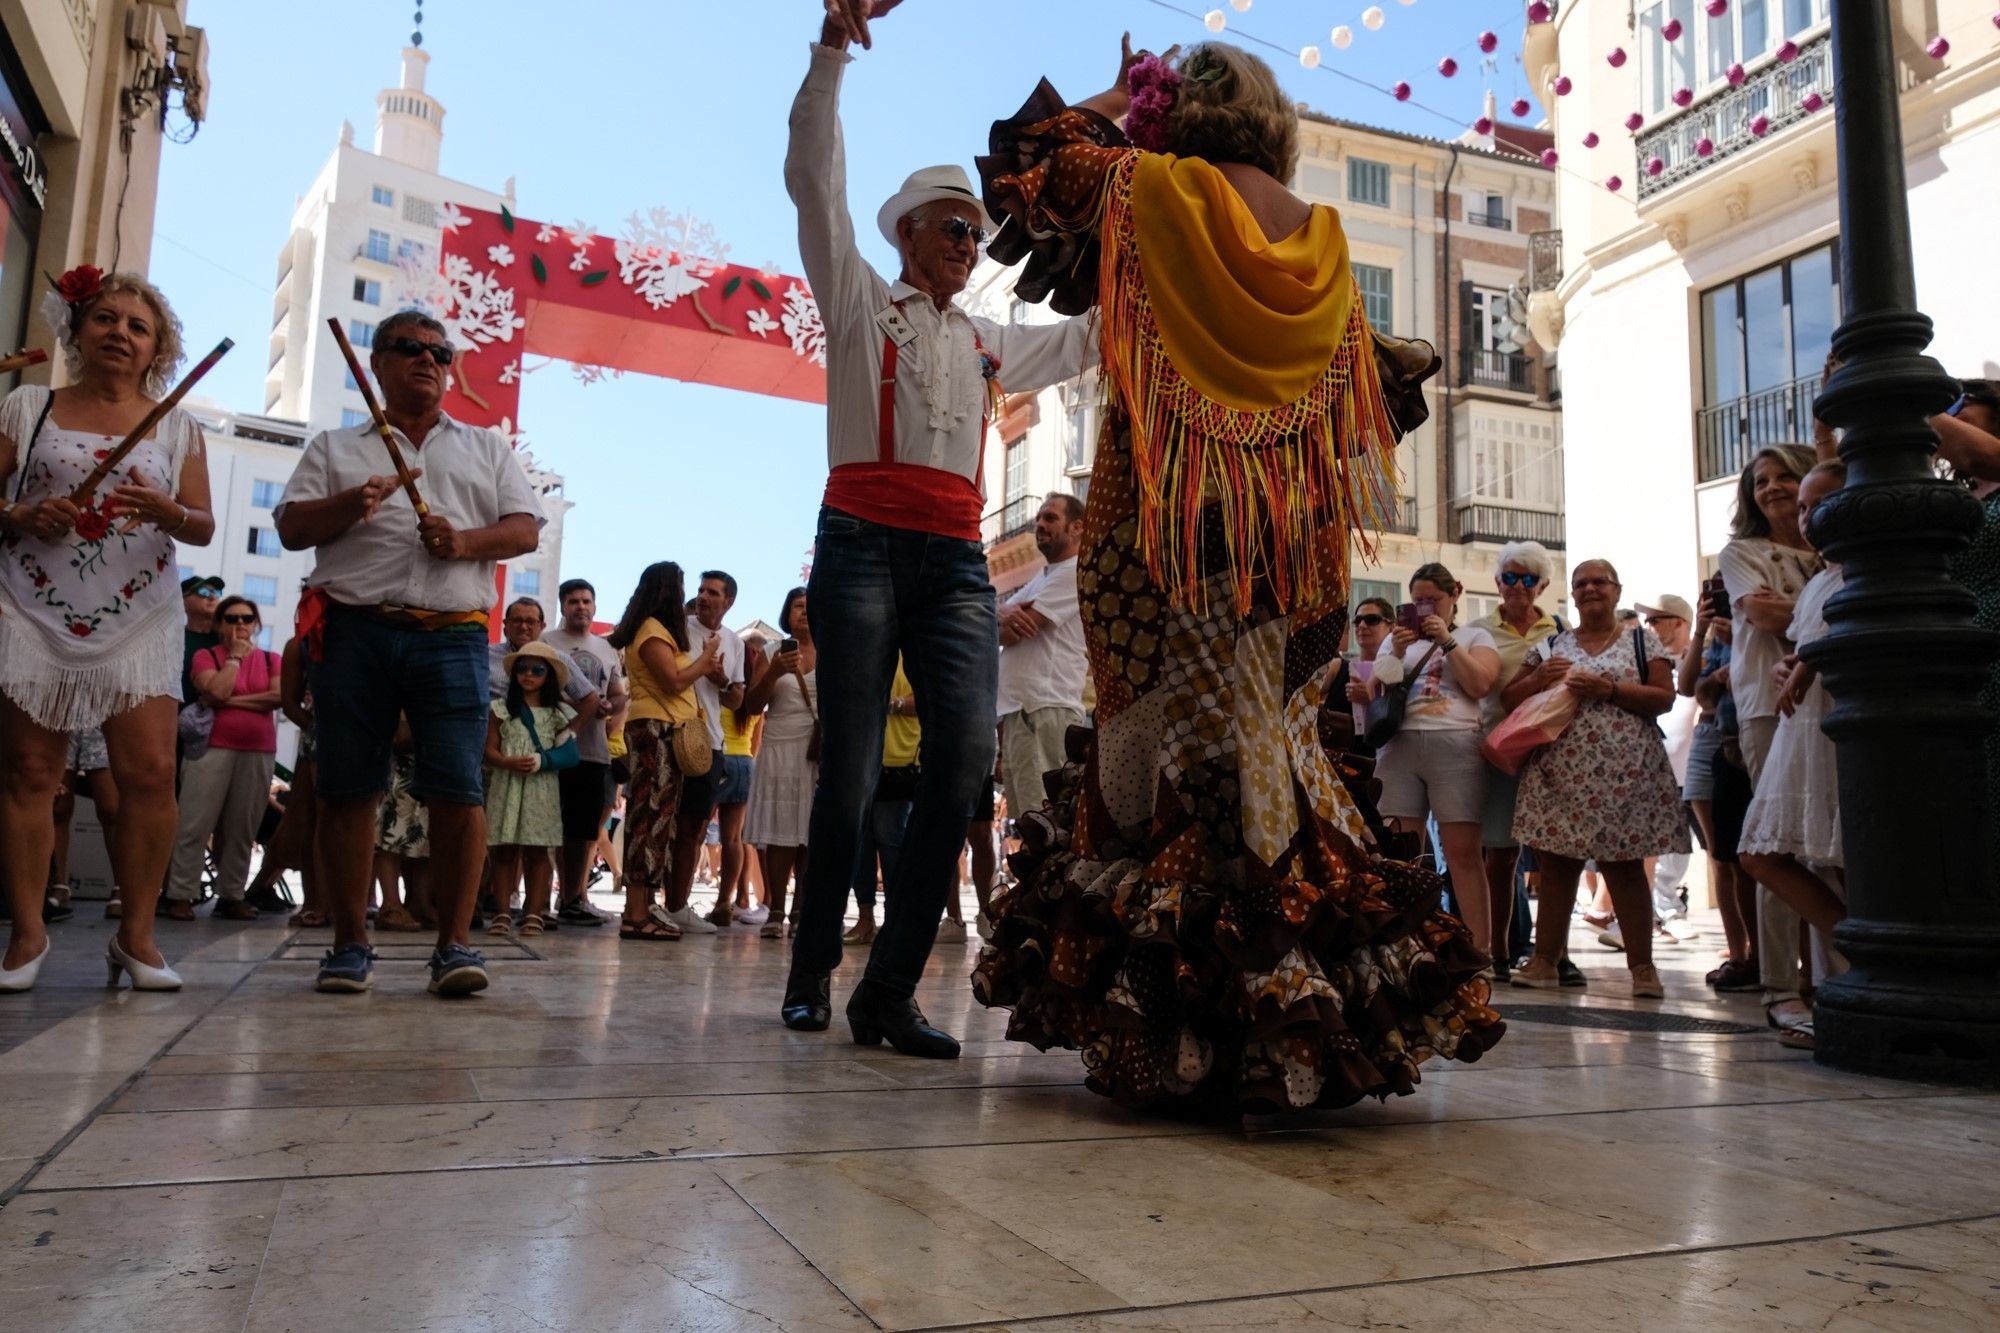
1047 670
1436 702
706 692
1678 726
1747 564
600 664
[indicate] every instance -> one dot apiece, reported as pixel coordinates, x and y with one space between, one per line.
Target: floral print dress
90 623
1604 790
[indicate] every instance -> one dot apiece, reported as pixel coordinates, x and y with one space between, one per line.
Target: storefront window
23 183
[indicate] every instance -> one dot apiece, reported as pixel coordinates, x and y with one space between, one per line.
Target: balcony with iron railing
1545 260
1492 219
1480 367
1733 119
1728 435
1500 524
1010 520
1402 516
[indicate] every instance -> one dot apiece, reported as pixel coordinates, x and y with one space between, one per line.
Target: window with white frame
527 583
368 291
1699 60
1079 422
261 589
361 333
380 245
383 196
1367 182
1378 293
1486 209
264 541
1489 307
1514 461
1014 484
266 494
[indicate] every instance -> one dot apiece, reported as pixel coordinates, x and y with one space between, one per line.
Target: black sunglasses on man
407 346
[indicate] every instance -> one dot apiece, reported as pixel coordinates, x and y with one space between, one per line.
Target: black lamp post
1902 661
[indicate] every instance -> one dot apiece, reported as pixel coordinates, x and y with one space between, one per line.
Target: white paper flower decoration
501 255
759 322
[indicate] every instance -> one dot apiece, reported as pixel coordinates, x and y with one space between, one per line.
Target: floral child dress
525 809
1796 811
90 623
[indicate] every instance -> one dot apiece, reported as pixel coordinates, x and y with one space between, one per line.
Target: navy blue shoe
457 970
347 969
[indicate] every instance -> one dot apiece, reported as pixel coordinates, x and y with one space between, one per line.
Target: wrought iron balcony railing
1496 370
1733 119
1403 516
1729 434
1496 221
1545 260
1011 519
1500 524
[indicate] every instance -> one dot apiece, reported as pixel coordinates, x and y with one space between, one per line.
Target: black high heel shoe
808 1002
874 1013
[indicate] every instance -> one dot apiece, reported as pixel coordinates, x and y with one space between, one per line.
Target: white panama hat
924 187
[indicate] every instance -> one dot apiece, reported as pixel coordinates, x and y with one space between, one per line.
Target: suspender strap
886 410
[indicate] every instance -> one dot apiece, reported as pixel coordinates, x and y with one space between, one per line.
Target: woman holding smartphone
1433 766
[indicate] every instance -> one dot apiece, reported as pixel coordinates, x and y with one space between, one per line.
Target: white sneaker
1681 930
756 916
952 931
985 925
1611 937
690 921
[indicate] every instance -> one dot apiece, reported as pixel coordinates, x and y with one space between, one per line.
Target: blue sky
601 107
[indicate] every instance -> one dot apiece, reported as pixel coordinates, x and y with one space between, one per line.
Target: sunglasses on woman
239 620
438 352
1515 580
1371 619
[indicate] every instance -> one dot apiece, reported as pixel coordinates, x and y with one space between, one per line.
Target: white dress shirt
471 477
940 389
1046 670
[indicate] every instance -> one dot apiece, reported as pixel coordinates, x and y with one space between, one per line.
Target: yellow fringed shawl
1247 368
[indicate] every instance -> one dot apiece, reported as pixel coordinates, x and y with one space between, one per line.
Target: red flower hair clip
80 284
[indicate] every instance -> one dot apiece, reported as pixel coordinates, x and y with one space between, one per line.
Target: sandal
175 909
114 910
501 926
858 936
531 924
771 930
307 918
646 928
397 918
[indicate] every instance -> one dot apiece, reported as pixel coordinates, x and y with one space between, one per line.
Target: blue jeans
882 835
876 591
371 674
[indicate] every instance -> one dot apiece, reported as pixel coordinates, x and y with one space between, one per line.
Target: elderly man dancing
899 566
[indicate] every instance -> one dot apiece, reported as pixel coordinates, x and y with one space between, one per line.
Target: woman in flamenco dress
1200 909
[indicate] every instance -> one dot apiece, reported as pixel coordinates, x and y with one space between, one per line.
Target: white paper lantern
1239 5
1371 18
1309 57
1214 20
1343 37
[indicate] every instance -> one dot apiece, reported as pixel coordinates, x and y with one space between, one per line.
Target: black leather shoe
808 1004
874 1013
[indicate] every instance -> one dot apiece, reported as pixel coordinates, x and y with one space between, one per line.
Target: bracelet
1448 647
186 513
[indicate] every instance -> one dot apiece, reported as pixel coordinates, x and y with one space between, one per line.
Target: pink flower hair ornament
1155 86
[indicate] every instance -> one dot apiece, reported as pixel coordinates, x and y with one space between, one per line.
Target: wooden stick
80 497
32 356
381 422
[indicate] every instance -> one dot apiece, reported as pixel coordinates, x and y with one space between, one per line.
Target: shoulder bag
1387 709
562 757
693 755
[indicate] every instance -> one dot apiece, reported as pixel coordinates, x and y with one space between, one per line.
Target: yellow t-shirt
737 736
902 737
653 700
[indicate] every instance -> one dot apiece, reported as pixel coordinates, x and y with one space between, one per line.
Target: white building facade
1439 237
360 237
1695 308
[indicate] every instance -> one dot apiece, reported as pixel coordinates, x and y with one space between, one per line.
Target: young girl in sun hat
523 801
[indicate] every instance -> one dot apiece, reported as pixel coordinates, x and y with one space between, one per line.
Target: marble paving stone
1932 1279
642 1247
677 1079
109 1039
188 1146
158 1260
389 1057
36 1110
200 1092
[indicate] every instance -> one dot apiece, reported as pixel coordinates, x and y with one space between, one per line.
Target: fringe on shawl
1281 479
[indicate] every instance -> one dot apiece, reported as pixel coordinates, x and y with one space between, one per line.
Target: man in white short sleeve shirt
1042 661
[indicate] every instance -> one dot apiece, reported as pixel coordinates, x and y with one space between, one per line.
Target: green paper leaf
763 292
506 220
592 279
541 269
729 288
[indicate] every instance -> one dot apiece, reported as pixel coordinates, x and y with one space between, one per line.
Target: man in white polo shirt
1042 662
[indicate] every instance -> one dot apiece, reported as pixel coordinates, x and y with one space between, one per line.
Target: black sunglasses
532 668
438 352
958 229
239 620
1371 619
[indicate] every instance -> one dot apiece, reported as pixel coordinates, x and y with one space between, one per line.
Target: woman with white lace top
90 618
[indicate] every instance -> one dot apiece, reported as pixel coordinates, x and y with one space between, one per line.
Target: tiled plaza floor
621 1136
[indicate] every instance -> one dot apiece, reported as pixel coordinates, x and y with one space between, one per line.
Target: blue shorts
372 674
734 786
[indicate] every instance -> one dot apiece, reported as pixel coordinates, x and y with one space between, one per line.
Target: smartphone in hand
1410 616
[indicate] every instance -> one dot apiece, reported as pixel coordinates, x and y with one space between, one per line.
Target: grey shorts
1700 783
1434 772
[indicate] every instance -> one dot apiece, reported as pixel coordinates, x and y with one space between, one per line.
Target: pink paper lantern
1654 166
1488 41
1760 126
1614 184
1788 52
1549 158
1538 12
1715 9
1402 91
1736 75
1939 48
1683 96
1704 147
1617 58
1812 102
1563 85
1634 121
1482 127
1447 67
1996 18
1672 32
1519 106
1590 139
